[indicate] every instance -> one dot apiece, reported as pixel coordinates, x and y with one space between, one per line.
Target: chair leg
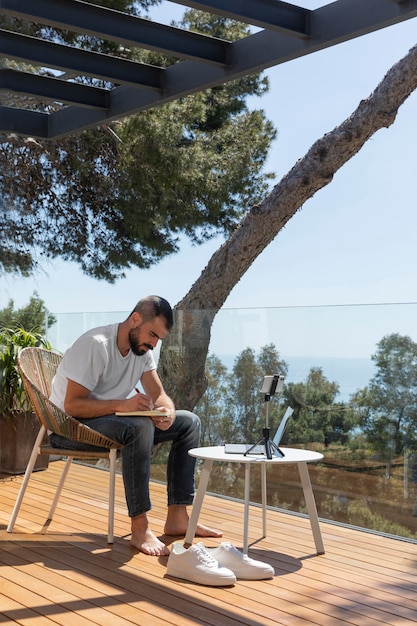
112 480
59 488
32 460
34 455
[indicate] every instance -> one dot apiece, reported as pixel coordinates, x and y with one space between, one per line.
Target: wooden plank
19 613
67 574
147 561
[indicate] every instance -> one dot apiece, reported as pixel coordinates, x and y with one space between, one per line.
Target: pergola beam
129 30
130 87
269 14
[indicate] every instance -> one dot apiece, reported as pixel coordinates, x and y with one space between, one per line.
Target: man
96 378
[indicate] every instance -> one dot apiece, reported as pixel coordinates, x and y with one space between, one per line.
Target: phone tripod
269 446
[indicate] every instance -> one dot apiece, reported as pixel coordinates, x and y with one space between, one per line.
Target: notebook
139 413
241 448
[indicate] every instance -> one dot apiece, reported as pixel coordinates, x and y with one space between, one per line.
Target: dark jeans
138 436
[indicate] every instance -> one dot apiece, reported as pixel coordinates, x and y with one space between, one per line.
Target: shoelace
231 548
204 557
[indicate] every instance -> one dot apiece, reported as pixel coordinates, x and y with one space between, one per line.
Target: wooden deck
67 574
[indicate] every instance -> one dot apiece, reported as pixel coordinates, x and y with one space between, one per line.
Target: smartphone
272 384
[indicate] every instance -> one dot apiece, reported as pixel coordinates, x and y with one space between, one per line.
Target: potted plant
19 426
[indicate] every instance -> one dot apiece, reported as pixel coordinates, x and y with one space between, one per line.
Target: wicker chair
37 368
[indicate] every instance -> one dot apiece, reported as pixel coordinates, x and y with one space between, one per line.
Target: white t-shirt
94 361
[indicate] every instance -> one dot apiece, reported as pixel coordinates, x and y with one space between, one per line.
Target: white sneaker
196 565
241 564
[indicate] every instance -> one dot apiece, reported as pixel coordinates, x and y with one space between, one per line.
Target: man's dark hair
155 306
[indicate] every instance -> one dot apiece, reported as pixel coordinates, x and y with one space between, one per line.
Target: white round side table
291 455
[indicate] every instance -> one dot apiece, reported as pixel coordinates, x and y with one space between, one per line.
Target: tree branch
314 171
184 354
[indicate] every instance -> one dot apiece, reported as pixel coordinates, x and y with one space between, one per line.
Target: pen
137 391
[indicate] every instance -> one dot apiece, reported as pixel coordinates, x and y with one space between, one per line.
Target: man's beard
135 345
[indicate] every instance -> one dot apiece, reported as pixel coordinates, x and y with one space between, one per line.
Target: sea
351 374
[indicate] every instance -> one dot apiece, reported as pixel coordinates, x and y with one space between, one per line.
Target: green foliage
317 417
247 376
12 394
381 418
359 514
351 484
388 405
33 317
114 198
232 409
216 423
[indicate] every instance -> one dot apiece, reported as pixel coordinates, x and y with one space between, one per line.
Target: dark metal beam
53 89
29 123
332 24
111 25
329 25
345 19
269 14
82 62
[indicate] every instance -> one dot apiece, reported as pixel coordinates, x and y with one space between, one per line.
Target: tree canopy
234 410
34 317
122 195
318 417
388 405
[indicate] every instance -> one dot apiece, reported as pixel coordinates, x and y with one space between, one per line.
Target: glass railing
368 476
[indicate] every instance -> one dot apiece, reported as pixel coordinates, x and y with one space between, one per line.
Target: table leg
246 510
198 501
311 506
264 500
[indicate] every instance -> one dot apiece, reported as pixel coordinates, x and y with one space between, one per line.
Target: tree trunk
184 353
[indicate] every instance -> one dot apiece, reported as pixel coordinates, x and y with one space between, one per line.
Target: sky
352 244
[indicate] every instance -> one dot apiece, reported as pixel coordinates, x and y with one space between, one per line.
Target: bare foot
144 540
177 523
204 531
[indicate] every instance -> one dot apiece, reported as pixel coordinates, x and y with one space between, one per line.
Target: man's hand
163 422
141 401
